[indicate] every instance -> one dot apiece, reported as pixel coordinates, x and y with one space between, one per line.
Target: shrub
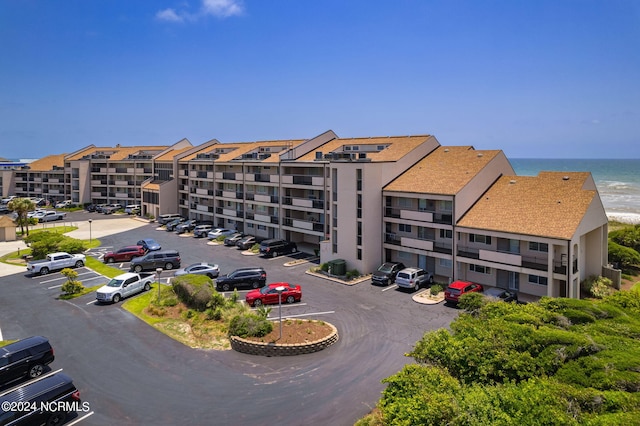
249 325
71 245
221 238
195 291
598 287
471 302
354 273
435 289
72 285
214 314
188 314
625 256
324 267
255 248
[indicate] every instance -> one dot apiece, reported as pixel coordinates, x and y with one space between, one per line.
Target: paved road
132 374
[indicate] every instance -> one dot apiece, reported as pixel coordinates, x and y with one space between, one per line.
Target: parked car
458 288
386 273
46 401
24 358
49 216
56 262
219 232
247 242
165 218
165 259
209 269
171 226
124 254
413 278
64 204
90 207
275 247
149 244
243 277
268 295
501 294
124 285
232 239
132 209
186 226
201 231
98 208
111 208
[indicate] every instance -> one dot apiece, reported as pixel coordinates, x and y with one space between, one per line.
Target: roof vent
446 150
480 154
512 181
565 177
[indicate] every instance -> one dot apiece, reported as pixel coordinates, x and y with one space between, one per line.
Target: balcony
538 263
266 198
303 224
303 180
303 202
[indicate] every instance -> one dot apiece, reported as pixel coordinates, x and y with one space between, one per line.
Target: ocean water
618 181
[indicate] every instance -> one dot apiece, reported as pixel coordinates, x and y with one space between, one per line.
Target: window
359 208
536 279
404 202
249 225
445 206
359 179
446 233
262 227
359 254
445 263
359 235
543 247
403 227
482 239
480 269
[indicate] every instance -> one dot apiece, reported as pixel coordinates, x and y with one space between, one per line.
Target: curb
274 349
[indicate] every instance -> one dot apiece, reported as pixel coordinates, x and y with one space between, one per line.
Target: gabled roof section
377 149
254 151
47 163
445 171
116 153
170 154
551 204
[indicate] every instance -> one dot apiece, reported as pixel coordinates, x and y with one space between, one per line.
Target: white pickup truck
55 262
49 216
123 286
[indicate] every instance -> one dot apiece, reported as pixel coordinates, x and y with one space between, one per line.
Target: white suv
413 278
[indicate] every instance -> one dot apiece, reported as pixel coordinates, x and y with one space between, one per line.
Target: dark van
24 358
48 400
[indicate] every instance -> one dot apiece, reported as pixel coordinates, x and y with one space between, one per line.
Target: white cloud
217 8
169 15
222 8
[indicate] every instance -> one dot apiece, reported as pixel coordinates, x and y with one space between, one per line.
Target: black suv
386 273
247 242
24 358
56 392
243 277
274 248
165 259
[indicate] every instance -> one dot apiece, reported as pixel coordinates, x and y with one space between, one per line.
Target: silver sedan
209 269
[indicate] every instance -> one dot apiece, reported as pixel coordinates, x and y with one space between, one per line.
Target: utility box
337 267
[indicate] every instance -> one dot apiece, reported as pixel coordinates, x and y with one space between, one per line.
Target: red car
125 254
269 294
458 288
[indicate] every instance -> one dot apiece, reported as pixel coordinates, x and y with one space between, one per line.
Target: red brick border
274 349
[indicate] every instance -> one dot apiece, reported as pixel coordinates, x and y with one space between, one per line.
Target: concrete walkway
97 229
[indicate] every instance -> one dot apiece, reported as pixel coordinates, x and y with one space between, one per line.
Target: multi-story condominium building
458 212
540 235
43 178
423 205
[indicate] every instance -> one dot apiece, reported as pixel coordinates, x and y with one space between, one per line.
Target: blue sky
537 79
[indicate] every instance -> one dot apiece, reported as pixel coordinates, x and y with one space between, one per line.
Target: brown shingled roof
445 171
46 163
551 204
398 146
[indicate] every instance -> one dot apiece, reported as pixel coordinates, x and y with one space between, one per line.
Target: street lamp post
90 230
280 289
158 272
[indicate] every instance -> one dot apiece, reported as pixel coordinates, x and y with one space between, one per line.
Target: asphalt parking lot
133 374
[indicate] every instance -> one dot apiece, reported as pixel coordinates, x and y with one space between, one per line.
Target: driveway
132 374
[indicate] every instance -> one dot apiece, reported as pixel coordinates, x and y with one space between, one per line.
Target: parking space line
54 286
80 419
391 287
303 315
92 302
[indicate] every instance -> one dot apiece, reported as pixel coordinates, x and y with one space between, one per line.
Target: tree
625 256
22 206
72 285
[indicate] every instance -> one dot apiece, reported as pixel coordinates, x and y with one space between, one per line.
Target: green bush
597 287
214 314
71 245
471 302
72 287
435 289
195 291
624 256
249 325
324 267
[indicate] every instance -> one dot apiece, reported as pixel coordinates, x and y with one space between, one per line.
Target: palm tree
22 206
